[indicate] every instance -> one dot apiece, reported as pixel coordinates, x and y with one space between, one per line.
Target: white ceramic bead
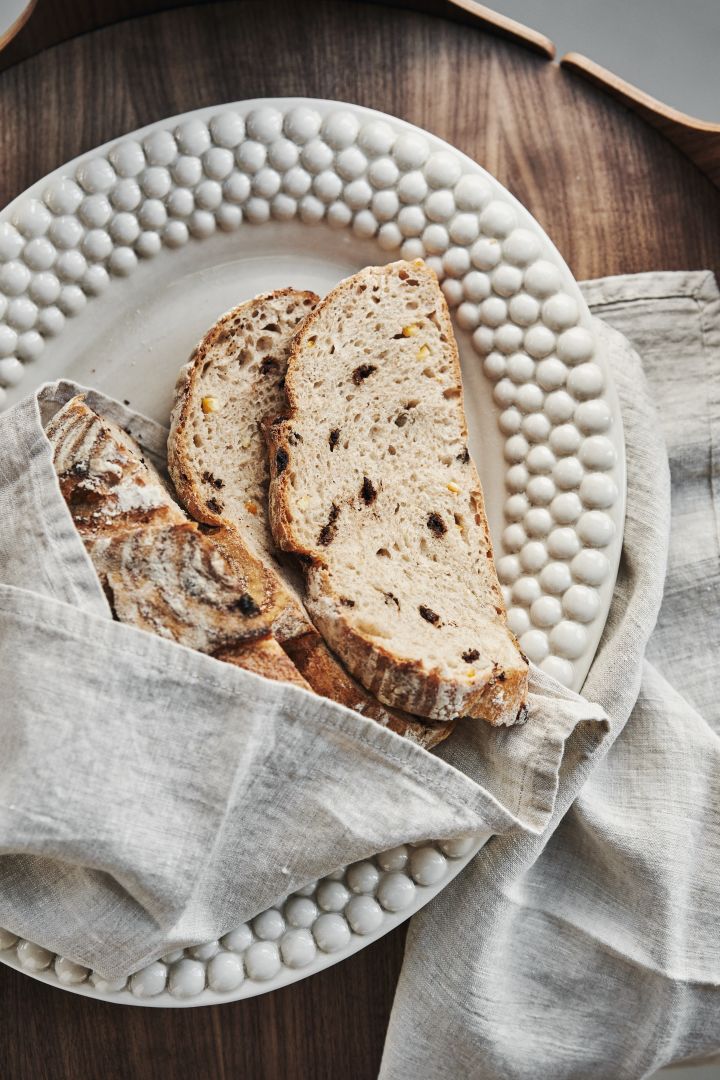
597 452
412 188
485 253
332 895
96 175
464 228
126 195
51 321
453 292
536 427
521 247
71 299
436 239
14 278
559 406
236 188
122 262
516 478
96 279
516 447
268 925
581 603
160 148
265 182
298 948
534 644
411 221
568 639
187 979
331 931
365 224
257 210
250 156
526 591
339 215
11 374
506 280
497 219
187 171
364 914
533 556
358 194
395 892
560 311
282 208
563 543
229 218
385 205
518 621
228 129
509 569
363 877
8 340
11 242
520 367
376 137
264 124
565 439
296 182
302 124
30 345
483 340
410 151
472 193
351 163
555 578
575 346
495 366
585 381
468 316
440 206
208 193
282 155
300 911
590 567
540 490
32 218
69 973
156 182
127 158
442 169
476 286
542 278
316 156
434 263
567 473
21 313
39 254
262 960
107 986
149 981
205 951
336 875
539 341
566 508
327 185
97 245
225 973
456 262
33 957
239 939
383 173
523 308
63 196
147 245
559 669
546 611
551 373
123 228
538 521
457 847
510 421
540 459
173 956
598 491
529 398
493 311
394 859
514 536
593 417
427 866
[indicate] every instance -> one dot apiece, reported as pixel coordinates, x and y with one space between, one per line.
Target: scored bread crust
203 485
499 695
158 570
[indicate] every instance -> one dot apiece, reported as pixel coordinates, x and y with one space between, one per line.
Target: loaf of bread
159 571
373 487
218 463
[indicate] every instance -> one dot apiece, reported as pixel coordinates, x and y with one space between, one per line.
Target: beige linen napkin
593 950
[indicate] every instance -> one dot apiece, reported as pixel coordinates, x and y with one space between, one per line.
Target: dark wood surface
615 196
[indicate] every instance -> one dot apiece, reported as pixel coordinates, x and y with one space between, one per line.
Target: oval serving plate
113 267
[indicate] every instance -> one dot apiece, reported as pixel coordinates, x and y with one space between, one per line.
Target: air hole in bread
197 440
263 343
272 327
383 553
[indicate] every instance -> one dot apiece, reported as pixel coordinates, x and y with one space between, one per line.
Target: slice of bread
159 571
373 487
218 463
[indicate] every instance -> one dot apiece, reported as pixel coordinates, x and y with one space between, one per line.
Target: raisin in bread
159 571
218 463
373 487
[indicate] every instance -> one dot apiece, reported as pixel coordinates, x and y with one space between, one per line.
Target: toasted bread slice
218 463
159 571
373 486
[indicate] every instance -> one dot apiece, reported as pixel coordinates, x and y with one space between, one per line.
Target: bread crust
292 627
498 695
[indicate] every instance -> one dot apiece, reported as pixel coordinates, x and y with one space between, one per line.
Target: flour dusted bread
218 463
373 487
159 571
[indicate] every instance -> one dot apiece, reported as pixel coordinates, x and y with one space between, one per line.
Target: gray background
668 48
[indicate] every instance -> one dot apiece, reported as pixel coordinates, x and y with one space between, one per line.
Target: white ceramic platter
114 266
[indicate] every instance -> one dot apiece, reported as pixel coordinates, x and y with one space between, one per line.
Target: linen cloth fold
152 797
593 949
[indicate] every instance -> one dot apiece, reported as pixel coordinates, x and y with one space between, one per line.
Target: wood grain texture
614 195
699 140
